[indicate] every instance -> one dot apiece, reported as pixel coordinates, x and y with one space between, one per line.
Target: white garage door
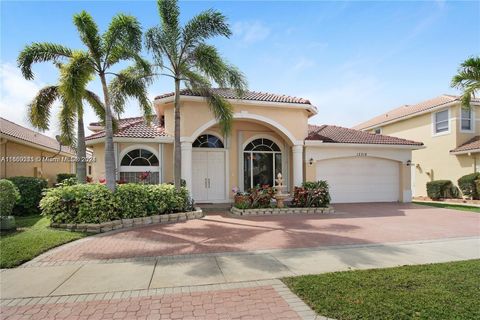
361 179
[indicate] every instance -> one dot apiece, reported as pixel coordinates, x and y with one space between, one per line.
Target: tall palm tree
122 41
468 79
39 112
194 62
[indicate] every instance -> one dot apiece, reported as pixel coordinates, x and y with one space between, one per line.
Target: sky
351 59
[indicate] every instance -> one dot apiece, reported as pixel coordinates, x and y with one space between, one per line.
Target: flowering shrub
257 197
311 195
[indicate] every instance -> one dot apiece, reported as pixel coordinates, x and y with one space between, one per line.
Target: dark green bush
442 189
80 203
9 197
468 186
30 189
65 176
311 195
94 203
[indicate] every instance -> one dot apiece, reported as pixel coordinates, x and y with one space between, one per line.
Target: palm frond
40 52
89 34
123 34
467 79
96 103
207 24
223 112
67 119
39 109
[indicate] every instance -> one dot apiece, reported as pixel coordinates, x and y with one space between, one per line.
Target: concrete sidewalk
216 269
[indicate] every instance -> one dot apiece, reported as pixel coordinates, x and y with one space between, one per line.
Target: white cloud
16 93
303 63
249 32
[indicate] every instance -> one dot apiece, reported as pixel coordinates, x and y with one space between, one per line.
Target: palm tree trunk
109 153
81 151
177 172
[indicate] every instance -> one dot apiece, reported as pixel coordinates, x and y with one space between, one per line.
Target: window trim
472 120
434 123
126 150
379 129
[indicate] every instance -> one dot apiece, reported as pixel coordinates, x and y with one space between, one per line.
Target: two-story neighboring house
449 132
270 135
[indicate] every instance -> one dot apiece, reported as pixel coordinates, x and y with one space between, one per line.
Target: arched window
139 158
262 161
207 141
140 166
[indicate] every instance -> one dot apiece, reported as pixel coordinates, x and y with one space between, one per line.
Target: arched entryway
208 168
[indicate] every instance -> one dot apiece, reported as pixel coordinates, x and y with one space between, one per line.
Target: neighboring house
24 152
450 134
270 135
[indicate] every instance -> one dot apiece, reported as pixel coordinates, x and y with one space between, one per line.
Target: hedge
10 196
468 186
441 189
64 176
311 195
30 189
95 203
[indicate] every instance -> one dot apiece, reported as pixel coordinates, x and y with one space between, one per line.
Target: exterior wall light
310 162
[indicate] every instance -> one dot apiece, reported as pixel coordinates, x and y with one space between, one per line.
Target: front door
208 179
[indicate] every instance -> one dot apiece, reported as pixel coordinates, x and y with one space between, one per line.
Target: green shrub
261 197
311 195
80 203
64 176
30 189
68 182
442 189
94 203
9 197
468 186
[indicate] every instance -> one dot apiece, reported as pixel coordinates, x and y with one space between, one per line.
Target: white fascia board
465 152
37 146
138 140
308 107
446 105
321 144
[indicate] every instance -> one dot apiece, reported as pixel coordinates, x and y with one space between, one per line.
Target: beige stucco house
450 134
270 135
24 152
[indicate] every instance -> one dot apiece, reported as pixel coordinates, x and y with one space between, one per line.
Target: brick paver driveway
351 224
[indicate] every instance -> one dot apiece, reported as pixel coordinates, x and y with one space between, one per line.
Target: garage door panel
361 179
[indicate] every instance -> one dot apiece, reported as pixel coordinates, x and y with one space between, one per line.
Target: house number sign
361 154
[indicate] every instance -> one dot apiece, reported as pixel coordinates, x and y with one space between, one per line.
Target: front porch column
297 165
186 148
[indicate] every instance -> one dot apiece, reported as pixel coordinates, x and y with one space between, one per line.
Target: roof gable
135 128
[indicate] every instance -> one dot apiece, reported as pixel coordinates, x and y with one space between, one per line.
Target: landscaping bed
436 291
461 207
128 223
280 211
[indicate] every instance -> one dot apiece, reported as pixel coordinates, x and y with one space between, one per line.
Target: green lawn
33 236
450 206
436 291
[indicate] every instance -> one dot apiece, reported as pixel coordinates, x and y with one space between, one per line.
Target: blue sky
353 60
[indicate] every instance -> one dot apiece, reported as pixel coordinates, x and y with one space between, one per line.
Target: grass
450 206
435 291
32 237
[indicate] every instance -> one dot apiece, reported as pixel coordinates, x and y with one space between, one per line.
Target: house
450 134
270 135
24 152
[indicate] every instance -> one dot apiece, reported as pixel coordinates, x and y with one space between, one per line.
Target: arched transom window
140 166
208 141
262 161
139 157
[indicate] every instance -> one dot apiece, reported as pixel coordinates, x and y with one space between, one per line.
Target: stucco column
297 165
406 183
186 148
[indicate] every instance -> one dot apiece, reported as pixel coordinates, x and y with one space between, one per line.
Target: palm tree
194 62
39 111
468 79
122 41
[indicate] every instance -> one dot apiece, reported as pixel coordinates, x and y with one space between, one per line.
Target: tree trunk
177 172
109 153
81 151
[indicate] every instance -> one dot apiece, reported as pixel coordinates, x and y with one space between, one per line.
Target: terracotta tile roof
408 110
248 95
336 134
121 122
135 128
471 145
14 130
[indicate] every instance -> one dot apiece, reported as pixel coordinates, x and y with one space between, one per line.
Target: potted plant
241 199
10 196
